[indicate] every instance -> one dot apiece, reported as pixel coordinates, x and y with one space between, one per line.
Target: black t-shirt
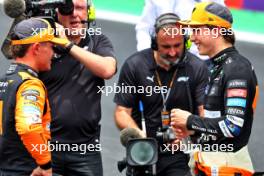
72 89
138 72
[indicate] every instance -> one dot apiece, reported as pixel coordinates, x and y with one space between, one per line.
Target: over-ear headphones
162 21
90 11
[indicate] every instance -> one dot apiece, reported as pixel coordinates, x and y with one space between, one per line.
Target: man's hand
182 133
47 172
36 172
60 31
40 172
179 117
179 123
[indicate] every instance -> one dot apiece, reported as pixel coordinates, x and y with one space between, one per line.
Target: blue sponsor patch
238 102
234 129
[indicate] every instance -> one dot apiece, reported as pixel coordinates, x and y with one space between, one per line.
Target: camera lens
142 152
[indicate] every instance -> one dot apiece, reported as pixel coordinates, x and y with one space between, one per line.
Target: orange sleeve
254 105
30 102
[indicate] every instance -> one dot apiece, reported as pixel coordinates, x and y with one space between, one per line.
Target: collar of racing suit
16 67
218 61
220 57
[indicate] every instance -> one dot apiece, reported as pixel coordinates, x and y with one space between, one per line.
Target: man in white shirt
154 8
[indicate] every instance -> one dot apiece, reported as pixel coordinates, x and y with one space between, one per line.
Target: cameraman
24 107
73 84
167 64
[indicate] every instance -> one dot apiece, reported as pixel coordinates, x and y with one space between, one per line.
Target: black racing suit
230 101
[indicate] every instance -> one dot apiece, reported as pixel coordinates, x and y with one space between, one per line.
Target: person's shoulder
237 65
98 36
140 56
35 86
97 39
235 59
33 81
27 76
139 60
99 44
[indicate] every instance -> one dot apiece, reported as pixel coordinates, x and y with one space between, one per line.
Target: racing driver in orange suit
24 107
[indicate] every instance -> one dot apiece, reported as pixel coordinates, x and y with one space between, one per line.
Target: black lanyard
165 97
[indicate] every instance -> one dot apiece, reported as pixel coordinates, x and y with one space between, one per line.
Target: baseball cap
210 13
34 30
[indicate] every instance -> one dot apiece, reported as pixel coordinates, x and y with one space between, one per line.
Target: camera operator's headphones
163 20
90 11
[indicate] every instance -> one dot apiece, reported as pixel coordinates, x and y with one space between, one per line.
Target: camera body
165 135
141 157
48 8
33 8
140 171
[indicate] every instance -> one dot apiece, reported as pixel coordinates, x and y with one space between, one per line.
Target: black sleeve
127 80
239 97
103 46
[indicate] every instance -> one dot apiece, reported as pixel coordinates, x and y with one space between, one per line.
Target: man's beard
165 59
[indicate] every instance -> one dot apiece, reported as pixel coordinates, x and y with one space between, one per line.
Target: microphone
5 48
84 21
14 8
129 133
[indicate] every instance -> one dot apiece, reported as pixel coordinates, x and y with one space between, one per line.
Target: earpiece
188 42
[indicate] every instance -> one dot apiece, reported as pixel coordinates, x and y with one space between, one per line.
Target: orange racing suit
24 121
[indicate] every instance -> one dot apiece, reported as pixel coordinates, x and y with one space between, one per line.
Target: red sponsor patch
237 93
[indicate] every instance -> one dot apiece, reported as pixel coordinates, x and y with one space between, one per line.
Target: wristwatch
69 46
46 166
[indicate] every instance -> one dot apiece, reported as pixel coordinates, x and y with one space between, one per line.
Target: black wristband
189 122
46 166
69 47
